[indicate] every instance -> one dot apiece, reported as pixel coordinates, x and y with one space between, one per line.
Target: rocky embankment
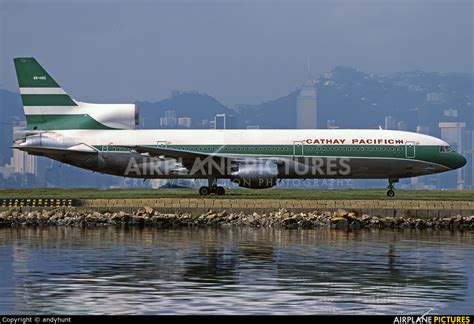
147 216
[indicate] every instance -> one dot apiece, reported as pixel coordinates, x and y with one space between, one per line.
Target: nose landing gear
391 187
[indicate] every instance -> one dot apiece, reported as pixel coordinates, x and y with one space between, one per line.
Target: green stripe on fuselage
61 122
424 153
47 100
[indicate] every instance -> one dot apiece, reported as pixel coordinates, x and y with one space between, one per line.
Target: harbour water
110 270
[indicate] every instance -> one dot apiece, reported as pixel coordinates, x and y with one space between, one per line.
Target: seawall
195 206
175 212
384 208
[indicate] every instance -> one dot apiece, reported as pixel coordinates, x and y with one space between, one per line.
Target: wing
189 159
81 156
209 163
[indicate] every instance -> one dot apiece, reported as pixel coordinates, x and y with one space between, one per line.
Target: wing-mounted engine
256 174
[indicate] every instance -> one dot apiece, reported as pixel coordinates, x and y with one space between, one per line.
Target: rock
341 212
336 219
49 212
146 216
148 210
223 213
211 216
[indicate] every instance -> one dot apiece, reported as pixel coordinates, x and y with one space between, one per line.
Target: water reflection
234 271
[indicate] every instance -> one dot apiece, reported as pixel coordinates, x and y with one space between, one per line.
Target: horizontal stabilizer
39 150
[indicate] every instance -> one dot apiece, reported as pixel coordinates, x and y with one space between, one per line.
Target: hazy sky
237 51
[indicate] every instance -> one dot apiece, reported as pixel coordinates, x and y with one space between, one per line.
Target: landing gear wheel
220 191
204 191
391 186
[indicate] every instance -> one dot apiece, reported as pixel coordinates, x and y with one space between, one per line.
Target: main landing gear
212 187
391 187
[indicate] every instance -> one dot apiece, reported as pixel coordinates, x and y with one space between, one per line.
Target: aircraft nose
458 161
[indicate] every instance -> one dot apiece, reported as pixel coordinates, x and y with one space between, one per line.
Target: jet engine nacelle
256 175
119 116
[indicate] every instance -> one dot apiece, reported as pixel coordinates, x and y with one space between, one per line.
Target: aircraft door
410 150
105 150
161 144
298 149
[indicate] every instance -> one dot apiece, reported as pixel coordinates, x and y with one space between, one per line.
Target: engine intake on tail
119 116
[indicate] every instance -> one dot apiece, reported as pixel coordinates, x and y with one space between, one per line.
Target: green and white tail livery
48 107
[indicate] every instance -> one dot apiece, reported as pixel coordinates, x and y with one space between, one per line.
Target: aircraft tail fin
48 107
44 101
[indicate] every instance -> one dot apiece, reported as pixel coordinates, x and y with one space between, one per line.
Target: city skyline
239 52
451 113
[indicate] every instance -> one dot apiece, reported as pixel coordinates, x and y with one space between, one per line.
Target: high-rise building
423 129
231 122
24 163
306 105
169 120
223 121
450 113
170 114
219 121
21 161
435 97
390 122
402 125
331 124
184 122
454 134
469 155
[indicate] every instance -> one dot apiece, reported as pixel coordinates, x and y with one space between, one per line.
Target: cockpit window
445 149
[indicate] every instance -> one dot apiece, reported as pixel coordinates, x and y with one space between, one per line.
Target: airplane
104 138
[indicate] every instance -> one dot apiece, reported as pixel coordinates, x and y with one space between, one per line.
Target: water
234 271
